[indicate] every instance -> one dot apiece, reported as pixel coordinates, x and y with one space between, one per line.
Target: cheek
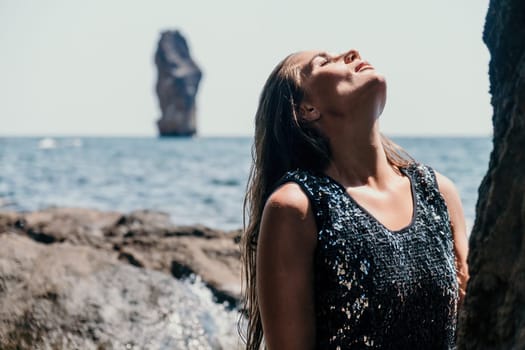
329 86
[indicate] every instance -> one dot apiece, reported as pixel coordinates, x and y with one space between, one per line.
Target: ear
309 112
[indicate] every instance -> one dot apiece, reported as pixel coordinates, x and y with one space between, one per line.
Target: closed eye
322 59
325 61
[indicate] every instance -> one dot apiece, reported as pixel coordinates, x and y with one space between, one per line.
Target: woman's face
333 83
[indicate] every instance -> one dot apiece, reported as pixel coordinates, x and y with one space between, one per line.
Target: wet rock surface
79 278
493 315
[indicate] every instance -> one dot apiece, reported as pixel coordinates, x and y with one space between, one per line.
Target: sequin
376 288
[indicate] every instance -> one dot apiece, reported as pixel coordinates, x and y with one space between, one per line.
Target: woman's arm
459 231
285 253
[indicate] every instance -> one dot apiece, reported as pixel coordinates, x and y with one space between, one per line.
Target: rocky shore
81 278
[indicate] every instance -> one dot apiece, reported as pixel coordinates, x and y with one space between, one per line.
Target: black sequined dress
376 288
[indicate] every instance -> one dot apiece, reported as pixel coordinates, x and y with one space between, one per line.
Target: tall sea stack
493 316
177 85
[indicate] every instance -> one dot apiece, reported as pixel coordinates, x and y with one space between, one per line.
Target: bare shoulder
288 216
288 199
452 199
446 186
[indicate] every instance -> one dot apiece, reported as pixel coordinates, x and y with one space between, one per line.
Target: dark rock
41 237
177 85
196 231
20 224
237 236
130 259
493 314
180 271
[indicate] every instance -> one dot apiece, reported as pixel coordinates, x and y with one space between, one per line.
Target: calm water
199 180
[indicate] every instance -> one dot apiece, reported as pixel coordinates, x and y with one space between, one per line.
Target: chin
380 78
371 93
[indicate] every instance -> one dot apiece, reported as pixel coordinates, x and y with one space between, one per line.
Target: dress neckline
371 216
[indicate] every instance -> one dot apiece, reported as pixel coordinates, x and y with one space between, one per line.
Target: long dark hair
283 141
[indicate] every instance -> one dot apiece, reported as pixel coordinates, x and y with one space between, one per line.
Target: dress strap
427 187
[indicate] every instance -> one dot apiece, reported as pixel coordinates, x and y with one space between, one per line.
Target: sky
85 68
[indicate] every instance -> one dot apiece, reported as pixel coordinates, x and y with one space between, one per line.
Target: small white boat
47 143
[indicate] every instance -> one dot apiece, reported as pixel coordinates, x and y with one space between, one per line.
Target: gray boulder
62 296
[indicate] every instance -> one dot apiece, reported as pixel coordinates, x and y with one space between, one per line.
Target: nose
351 55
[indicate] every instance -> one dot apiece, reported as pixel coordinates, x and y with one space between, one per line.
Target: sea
196 180
200 180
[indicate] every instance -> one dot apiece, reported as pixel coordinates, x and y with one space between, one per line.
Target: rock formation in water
85 279
177 85
493 316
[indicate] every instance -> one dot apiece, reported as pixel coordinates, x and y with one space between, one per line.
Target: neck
358 157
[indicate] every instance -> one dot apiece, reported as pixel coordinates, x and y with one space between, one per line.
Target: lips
363 65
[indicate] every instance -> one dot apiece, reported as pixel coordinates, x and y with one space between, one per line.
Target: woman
350 244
